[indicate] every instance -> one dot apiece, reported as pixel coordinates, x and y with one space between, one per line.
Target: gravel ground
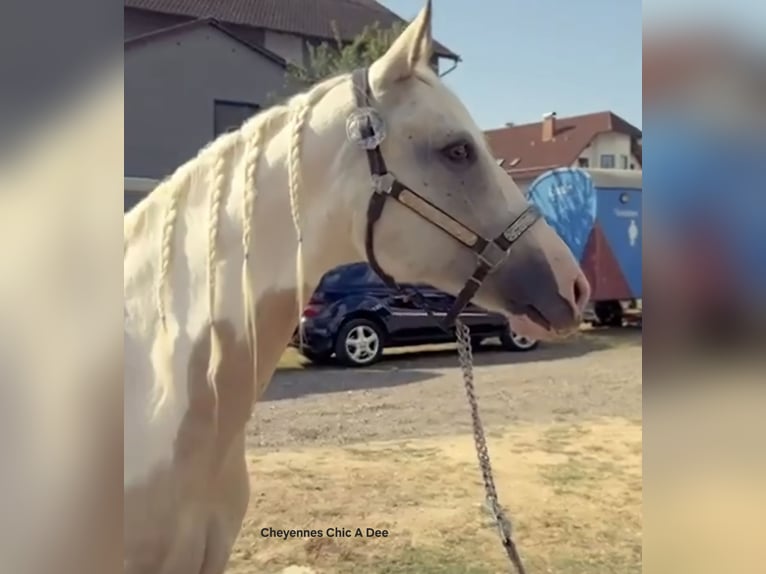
593 375
564 429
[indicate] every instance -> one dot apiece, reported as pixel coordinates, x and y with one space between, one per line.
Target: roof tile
527 155
305 17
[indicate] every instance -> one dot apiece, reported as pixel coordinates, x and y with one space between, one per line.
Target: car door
409 322
482 321
420 325
479 320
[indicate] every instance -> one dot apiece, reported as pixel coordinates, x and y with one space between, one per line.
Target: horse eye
458 153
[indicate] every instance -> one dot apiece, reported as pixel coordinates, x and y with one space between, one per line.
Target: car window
363 275
353 275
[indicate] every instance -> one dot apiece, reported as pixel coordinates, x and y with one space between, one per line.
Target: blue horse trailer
598 213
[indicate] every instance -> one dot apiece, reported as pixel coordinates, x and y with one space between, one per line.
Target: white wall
287 46
610 143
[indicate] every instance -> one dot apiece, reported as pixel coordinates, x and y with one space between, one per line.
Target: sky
524 58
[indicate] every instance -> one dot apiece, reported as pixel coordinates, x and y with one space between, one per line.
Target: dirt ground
390 448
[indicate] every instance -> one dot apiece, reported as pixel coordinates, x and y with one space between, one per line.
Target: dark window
132 198
624 162
358 274
229 116
583 162
607 161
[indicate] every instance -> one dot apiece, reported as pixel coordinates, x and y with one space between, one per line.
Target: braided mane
215 166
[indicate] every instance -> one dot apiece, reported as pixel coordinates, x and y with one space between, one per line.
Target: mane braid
176 185
295 179
252 156
218 181
214 163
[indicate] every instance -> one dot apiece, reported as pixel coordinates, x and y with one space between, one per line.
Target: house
602 140
185 85
285 27
197 68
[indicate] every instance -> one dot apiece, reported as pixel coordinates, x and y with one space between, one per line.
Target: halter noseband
366 128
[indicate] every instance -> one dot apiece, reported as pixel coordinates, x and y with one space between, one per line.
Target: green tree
329 59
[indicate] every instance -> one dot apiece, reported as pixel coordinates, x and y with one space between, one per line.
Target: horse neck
326 233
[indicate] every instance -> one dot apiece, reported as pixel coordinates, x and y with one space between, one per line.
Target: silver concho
358 120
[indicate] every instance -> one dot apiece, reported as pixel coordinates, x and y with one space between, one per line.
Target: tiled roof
186 26
525 154
311 18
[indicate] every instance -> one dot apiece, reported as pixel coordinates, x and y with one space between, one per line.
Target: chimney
549 126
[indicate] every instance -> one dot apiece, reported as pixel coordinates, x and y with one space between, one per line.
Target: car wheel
609 313
317 358
359 343
514 342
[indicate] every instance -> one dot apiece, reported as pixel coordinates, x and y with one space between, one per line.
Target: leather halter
489 252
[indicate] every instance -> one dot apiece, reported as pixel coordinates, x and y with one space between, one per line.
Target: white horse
213 293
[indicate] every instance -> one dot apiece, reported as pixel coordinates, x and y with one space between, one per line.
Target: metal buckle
383 183
492 255
523 222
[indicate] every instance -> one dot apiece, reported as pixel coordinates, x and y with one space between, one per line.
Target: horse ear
413 47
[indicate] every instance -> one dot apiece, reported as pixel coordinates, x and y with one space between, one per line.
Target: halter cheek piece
366 128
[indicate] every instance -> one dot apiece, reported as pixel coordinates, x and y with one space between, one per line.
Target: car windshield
359 275
354 274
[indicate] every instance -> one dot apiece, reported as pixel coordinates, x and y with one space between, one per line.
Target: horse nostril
581 292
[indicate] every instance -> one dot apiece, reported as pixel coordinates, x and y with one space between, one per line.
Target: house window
624 162
583 162
131 199
229 116
607 161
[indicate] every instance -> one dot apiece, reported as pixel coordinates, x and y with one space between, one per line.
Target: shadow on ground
296 383
405 367
491 353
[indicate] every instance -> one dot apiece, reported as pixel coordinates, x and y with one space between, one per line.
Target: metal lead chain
465 356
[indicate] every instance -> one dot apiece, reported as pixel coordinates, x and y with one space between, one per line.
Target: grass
574 494
291 359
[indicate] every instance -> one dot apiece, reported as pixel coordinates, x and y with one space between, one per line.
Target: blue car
353 316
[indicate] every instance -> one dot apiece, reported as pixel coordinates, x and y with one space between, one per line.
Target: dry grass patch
291 359
574 493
